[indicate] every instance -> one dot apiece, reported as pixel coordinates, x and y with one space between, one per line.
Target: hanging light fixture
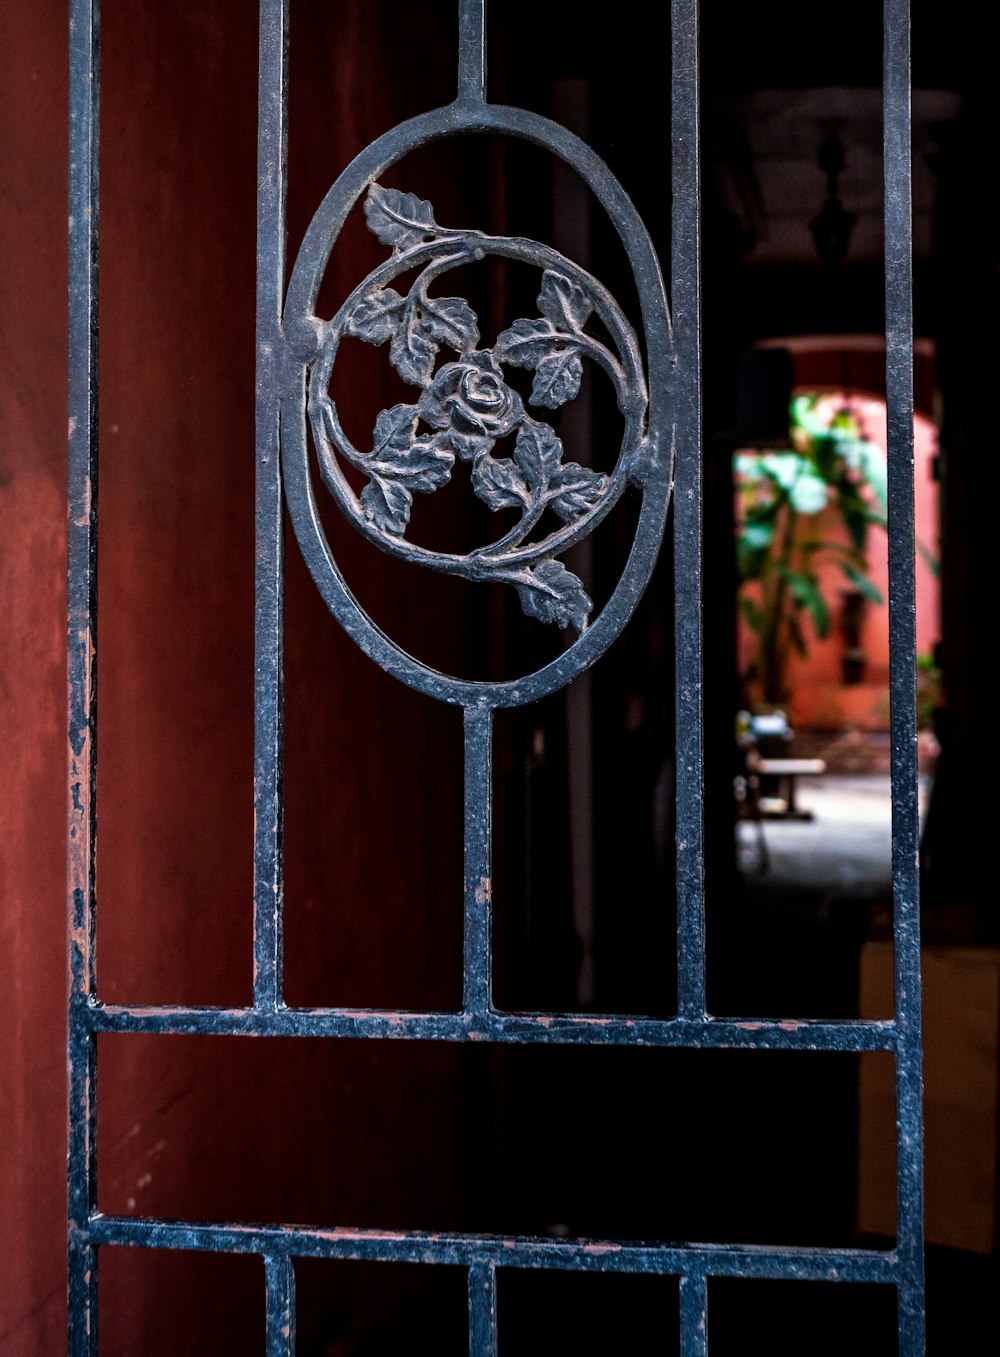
832 226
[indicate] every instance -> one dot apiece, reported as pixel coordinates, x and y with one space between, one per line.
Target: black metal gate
467 406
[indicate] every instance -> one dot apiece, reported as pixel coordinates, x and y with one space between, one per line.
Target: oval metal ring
302 332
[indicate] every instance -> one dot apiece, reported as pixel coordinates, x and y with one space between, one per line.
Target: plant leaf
748 466
553 594
400 468
784 468
557 379
795 632
751 613
394 429
424 467
821 544
751 564
808 494
579 489
826 454
564 302
376 318
386 504
498 482
467 446
806 592
757 534
929 559
421 466
538 452
401 220
451 321
526 343
856 522
862 582
412 352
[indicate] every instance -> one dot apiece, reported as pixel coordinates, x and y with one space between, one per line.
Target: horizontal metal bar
470 1250
524 1028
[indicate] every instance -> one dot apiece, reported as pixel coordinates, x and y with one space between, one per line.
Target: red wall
203 1128
32 672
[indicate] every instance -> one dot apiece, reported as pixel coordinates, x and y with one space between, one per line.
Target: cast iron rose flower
471 399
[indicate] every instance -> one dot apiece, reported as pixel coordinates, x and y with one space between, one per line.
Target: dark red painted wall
205 1129
32 671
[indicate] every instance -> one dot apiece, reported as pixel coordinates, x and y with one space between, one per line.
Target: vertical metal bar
482 1310
82 1165
571 235
902 675
279 1274
84 93
272 158
686 302
472 49
478 984
694 1316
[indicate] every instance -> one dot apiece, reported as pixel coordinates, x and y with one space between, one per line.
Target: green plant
928 690
788 502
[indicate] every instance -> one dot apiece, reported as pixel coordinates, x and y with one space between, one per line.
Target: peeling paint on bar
575 1255
553 1028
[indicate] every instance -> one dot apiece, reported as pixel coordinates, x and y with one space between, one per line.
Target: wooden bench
786 772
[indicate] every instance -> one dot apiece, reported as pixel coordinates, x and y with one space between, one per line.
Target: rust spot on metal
353 1234
88 500
484 891
750 1026
792 1025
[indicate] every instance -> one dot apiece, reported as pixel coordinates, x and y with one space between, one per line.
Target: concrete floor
843 851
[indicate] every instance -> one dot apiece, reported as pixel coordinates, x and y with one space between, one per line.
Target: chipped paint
85 516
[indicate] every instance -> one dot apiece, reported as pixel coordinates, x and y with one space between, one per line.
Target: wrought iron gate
467 405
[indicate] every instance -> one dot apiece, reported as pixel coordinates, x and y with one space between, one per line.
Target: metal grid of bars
278 1246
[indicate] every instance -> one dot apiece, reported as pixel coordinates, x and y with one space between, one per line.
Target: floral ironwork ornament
466 406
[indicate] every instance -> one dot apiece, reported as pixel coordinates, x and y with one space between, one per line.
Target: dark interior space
753 1147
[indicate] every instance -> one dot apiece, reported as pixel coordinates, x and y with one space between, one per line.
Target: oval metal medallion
464 404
